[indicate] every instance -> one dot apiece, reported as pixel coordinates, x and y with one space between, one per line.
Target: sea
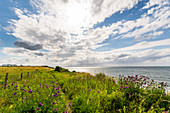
157 73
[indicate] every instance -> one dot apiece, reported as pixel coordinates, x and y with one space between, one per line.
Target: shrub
60 69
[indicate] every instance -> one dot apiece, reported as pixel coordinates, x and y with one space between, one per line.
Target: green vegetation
60 69
61 91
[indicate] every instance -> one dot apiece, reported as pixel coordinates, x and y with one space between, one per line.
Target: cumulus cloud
65 29
145 45
148 36
28 45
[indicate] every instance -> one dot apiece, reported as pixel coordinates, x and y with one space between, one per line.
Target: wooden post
6 79
21 75
28 74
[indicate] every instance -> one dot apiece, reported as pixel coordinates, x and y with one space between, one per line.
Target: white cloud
145 45
145 24
64 29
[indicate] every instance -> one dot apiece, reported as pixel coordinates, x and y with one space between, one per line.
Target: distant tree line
10 65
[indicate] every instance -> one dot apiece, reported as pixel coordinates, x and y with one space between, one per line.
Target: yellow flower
11 106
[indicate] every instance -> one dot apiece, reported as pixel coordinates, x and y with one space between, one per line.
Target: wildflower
117 89
126 83
8 85
98 91
24 97
30 91
38 108
164 93
90 90
14 93
40 104
47 87
57 83
53 103
56 109
165 111
58 91
55 94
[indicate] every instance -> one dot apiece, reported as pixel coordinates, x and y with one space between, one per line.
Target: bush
60 69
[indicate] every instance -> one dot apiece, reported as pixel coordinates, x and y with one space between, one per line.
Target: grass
72 92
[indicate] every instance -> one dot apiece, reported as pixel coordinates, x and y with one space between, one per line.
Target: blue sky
85 32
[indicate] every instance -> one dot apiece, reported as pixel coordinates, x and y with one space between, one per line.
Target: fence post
21 75
6 79
28 74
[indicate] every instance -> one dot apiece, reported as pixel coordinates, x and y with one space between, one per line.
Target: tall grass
50 91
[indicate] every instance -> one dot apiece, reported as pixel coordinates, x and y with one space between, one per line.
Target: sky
90 33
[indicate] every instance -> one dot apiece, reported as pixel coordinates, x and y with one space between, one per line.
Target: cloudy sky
85 32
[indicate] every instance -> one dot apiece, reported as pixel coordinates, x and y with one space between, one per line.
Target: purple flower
90 90
30 91
58 91
14 93
56 109
40 104
57 83
117 89
53 103
164 93
165 111
47 87
98 91
38 108
8 85
126 83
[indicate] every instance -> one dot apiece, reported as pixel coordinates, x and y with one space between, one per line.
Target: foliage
53 91
60 69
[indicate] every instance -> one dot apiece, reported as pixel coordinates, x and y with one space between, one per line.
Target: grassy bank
48 91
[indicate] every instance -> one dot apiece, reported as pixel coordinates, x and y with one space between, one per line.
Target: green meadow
47 90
